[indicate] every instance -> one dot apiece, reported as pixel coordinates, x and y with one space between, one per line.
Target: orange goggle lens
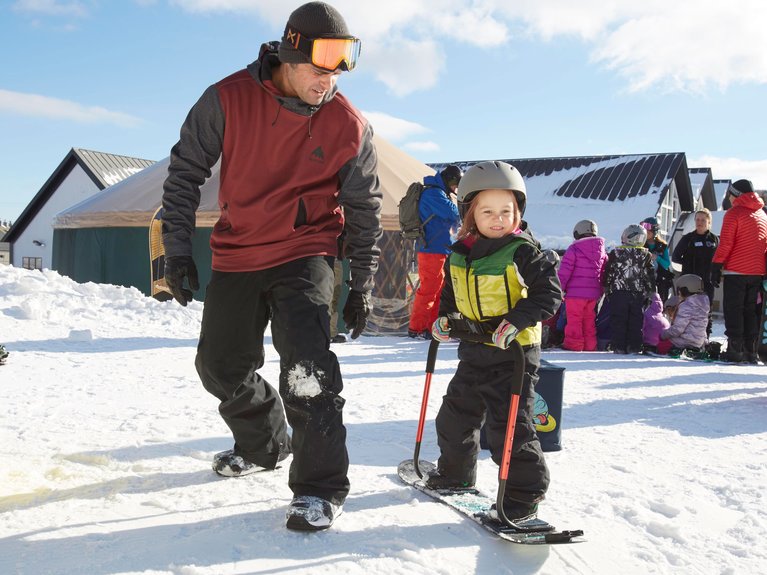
326 53
330 53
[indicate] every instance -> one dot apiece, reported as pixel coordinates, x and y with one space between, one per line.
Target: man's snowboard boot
311 513
230 464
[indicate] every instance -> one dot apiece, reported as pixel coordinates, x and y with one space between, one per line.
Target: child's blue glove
440 329
504 334
764 284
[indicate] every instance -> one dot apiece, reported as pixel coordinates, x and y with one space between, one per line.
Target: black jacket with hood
286 167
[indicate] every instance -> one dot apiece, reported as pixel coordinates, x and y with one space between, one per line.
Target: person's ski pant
581 326
626 318
741 317
431 277
480 391
295 296
338 272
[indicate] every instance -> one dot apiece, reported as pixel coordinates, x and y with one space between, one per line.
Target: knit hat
312 20
741 187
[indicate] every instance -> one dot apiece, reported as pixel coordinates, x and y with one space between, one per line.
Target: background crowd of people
646 305
638 297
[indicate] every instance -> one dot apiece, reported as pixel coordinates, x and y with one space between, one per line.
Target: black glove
716 274
356 311
176 269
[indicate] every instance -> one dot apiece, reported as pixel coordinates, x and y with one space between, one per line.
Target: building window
669 211
32 263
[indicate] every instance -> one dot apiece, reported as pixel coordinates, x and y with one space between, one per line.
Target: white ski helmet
585 228
634 235
691 282
494 175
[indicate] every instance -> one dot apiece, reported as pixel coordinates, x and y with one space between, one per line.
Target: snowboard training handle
431 360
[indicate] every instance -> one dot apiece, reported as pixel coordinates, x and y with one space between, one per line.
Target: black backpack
410 224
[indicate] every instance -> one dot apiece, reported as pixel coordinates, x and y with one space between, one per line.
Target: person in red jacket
740 260
298 166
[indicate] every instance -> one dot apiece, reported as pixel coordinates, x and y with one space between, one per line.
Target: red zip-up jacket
743 240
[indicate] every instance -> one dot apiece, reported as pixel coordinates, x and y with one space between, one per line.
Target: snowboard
159 289
686 356
475 505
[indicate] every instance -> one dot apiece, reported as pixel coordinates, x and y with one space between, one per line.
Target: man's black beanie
741 187
312 20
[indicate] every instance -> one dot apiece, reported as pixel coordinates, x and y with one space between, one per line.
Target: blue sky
445 80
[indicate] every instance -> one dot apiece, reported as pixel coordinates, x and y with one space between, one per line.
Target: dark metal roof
104 169
605 178
703 187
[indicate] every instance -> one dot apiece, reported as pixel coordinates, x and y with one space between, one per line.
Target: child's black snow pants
480 391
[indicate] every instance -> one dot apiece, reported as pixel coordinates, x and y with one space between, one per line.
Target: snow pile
106 439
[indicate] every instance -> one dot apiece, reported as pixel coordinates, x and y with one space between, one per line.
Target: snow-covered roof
132 201
613 191
102 168
702 183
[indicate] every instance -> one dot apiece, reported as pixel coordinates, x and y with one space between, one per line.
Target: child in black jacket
497 278
629 279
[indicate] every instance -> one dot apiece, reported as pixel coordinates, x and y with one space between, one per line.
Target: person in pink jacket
654 323
688 330
580 274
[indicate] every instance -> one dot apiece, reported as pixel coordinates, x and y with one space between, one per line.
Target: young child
629 279
655 321
688 328
497 279
580 274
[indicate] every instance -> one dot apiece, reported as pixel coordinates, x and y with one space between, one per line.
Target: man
740 260
694 253
293 152
440 216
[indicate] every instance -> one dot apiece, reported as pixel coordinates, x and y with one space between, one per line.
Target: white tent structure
104 239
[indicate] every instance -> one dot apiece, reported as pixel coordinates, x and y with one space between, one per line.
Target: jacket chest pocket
492 295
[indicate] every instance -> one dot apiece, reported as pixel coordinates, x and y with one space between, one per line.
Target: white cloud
734 169
273 12
405 66
45 107
392 128
51 8
655 44
427 146
683 45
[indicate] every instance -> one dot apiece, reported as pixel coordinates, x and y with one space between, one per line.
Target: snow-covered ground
106 437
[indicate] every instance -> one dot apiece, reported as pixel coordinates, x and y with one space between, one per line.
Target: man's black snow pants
480 391
741 316
295 296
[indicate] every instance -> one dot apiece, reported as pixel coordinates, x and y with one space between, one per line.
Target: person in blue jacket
439 214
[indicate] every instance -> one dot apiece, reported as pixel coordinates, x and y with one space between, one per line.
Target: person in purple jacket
580 274
654 323
688 330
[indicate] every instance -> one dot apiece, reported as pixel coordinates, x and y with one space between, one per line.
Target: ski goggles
649 226
326 53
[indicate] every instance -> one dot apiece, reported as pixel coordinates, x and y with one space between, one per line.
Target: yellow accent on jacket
490 287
